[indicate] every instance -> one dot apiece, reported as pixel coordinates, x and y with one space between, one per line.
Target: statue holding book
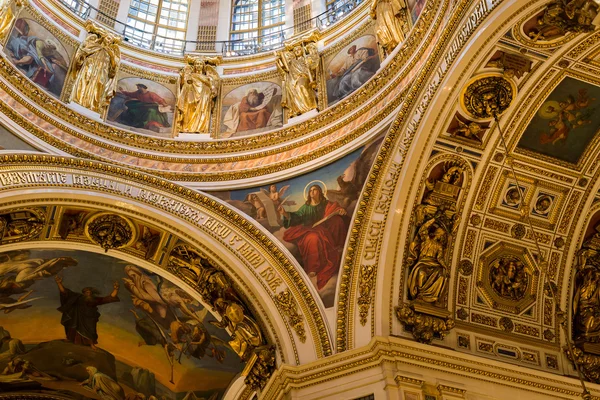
319 230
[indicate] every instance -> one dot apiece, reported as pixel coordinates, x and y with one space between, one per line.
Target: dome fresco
268 199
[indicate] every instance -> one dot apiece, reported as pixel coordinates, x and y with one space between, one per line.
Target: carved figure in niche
198 88
298 64
512 197
388 16
436 221
7 16
95 68
508 278
468 131
562 16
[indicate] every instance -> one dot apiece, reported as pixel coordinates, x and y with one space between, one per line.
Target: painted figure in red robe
319 230
80 312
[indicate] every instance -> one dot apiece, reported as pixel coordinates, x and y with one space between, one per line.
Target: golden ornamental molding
363 99
367 280
381 351
143 73
286 302
294 280
375 199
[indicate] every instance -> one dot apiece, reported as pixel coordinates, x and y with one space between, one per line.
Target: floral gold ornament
199 85
487 96
298 65
8 15
424 328
290 308
110 231
390 17
94 69
367 280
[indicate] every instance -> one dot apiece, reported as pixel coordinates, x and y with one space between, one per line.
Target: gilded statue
95 68
586 298
198 88
245 333
563 16
436 221
427 279
388 16
8 16
298 65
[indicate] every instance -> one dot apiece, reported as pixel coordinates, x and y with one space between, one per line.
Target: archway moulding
242 250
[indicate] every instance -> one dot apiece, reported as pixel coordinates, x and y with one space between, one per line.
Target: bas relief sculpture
389 19
198 88
298 63
508 278
310 214
95 68
562 17
146 340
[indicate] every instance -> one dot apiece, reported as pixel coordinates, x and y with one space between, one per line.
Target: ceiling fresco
136 331
314 235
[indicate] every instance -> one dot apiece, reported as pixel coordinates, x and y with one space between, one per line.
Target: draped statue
388 16
198 87
586 296
95 68
298 65
8 16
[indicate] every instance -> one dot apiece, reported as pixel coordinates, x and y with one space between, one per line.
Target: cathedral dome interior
299 199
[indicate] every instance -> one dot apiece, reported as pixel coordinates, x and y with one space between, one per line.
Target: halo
321 183
549 109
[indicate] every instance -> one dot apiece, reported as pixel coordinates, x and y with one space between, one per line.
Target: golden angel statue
95 68
298 65
198 87
388 16
8 15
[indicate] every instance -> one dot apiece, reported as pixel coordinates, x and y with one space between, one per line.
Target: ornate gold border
230 216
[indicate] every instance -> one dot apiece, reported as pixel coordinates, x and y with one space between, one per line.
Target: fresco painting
311 214
144 105
566 122
111 330
351 67
40 55
251 108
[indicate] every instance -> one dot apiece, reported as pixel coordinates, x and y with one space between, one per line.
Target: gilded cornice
397 351
408 56
278 260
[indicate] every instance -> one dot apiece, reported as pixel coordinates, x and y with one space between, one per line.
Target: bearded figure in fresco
198 87
95 68
298 65
80 312
388 18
